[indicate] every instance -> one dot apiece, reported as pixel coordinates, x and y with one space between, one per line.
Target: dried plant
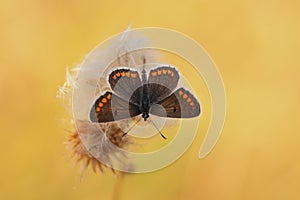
92 143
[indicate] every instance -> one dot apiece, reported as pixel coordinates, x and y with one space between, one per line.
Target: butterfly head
145 116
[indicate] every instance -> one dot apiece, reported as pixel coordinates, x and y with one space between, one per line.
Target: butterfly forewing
110 107
162 81
125 83
180 104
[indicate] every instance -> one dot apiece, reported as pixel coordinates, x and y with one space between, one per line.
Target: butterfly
134 95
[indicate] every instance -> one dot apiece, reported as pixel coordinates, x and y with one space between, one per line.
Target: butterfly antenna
131 127
164 137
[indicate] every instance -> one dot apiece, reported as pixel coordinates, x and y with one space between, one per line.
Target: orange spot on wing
134 75
118 74
159 72
114 77
180 92
164 71
100 104
104 100
108 96
189 100
97 109
184 96
192 104
122 73
154 73
172 74
169 71
128 74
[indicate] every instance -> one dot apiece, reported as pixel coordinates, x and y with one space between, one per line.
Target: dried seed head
94 143
84 152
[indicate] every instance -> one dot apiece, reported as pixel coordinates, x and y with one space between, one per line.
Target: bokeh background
255 45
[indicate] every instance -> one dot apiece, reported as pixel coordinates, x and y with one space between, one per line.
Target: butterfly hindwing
125 83
180 104
110 107
161 82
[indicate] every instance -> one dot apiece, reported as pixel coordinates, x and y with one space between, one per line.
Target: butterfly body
145 101
134 95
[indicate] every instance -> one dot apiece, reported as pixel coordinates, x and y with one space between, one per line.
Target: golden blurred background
255 44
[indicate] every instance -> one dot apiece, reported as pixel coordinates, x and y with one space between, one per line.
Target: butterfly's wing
162 81
180 104
126 83
110 107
